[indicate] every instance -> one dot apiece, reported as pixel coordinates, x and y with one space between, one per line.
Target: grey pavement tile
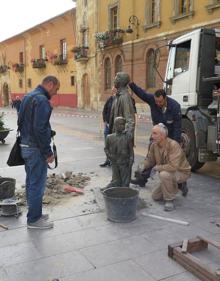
48 268
3 274
159 265
124 271
18 253
78 239
185 276
117 251
12 236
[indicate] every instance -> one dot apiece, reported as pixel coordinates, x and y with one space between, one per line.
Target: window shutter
148 11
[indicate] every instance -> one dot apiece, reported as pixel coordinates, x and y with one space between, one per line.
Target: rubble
54 191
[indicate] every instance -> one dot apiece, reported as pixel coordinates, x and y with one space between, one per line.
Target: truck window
182 57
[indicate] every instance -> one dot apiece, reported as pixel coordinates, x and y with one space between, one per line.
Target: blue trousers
36 175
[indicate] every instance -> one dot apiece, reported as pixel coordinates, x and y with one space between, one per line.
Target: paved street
84 245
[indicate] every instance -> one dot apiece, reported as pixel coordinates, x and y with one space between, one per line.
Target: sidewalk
85 246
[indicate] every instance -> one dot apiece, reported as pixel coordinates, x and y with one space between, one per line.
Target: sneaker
183 187
40 224
45 217
169 206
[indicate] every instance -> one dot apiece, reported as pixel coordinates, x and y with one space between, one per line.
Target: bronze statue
123 105
119 149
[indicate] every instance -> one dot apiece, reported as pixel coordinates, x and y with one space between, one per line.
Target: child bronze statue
119 149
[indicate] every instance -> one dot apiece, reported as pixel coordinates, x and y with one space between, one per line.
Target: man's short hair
160 93
50 78
163 129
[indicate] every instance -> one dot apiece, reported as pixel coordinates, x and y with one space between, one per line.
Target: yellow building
130 30
44 49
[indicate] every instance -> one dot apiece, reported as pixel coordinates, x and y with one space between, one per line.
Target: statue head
121 80
119 124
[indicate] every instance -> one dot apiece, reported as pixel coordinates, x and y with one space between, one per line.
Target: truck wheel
189 144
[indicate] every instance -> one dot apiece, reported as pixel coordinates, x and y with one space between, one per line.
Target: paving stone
123 271
49 268
18 253
159 265
117 251
3 274
185 276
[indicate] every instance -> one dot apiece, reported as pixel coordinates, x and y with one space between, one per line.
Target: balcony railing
81 53
109 38
18 67
3 68
60 60
39 63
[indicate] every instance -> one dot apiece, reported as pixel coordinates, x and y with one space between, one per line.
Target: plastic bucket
7 188
121 203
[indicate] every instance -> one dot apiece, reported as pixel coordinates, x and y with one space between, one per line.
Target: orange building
44 49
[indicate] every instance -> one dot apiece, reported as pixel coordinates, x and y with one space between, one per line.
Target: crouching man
167 158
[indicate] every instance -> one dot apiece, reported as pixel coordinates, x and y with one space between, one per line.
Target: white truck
193 79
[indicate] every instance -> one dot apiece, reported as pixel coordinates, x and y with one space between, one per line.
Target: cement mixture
55 192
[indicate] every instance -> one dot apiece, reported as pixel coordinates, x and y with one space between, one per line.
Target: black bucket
7 188
121 203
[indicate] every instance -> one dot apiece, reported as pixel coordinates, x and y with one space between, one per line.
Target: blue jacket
33 121
171 117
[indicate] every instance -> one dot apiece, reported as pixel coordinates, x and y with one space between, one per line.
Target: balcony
60 60
18 67
38 63
81 53
3 69
109 38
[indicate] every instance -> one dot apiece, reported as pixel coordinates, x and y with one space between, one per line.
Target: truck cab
193 79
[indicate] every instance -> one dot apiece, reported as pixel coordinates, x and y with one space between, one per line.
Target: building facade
130 31
85 47
42 50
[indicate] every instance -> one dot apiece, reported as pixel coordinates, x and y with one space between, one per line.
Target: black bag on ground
15 158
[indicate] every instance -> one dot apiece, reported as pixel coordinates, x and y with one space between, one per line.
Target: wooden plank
185 245
195 265
211 242
3 226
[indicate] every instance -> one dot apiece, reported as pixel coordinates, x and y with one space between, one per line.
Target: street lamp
133 20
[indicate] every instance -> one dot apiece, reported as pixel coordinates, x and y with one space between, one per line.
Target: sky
20 15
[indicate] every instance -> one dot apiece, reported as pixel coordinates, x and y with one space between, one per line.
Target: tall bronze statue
123 105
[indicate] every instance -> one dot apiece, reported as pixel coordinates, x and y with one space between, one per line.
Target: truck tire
189 144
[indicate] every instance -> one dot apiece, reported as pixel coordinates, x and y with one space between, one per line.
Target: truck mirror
169 81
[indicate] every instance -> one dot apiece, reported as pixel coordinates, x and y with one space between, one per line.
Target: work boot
139 182
169 206
183 187
106 163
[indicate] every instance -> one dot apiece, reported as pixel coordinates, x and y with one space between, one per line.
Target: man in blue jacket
163 110
35 131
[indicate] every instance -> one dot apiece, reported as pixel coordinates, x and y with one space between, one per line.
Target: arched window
150 70
107 73
118 64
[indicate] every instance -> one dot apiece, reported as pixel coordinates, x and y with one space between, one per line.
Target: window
213 4
114 17
42 52
72 80
107 74
85 3
21 57
182 9
150 70
63 49
182 57
29 82
118 64
20 83
152 12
